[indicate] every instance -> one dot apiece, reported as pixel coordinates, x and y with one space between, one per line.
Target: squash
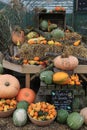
76 43
75 120
44 25
9 86
17 35
60 77
57 34
23 104
83 112
66 62
26 94
20 117
62 116
1 68
46 76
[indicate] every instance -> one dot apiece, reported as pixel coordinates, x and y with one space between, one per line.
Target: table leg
27 80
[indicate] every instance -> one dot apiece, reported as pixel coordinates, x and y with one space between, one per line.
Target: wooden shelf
24 69
81 69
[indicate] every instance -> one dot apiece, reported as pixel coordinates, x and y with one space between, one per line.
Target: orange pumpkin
66 63
9 86
17 35
26 94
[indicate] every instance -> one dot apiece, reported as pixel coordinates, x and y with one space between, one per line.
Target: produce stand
23 69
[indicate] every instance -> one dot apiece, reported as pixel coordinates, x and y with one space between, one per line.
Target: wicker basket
7 113
41 123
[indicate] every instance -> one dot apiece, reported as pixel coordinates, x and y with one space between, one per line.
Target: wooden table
24 69
81 70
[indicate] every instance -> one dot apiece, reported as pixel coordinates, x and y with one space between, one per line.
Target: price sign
62 99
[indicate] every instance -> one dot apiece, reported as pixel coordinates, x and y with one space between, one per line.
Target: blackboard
81 5
62 99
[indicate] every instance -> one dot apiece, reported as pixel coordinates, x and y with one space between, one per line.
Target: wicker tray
7 113
41 123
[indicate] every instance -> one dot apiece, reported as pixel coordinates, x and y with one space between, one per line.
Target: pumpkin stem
65 55
7 83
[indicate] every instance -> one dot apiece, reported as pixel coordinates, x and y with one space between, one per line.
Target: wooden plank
27 80
25 69
84 77
81 69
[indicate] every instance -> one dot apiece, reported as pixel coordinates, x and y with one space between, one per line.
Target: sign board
81 5
62 99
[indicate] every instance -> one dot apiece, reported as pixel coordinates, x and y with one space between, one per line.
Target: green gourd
62 116
20 117
46 76
23 104
75 121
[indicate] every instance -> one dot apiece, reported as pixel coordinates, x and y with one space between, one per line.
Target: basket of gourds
7 107
42 113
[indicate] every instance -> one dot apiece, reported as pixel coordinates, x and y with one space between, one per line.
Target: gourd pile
31 43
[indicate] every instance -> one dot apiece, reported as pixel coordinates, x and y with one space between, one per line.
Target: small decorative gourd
9 86
66 62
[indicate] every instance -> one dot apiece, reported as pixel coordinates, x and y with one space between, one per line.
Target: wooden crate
57 18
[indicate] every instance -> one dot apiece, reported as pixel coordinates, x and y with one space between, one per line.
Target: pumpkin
9 86
26 94
60 77
20 117
75 121
17 35
23 104
62 116
66 62
83 112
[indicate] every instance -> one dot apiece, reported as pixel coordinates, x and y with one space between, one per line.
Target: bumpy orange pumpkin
66 63
60 77
26 94
17 35
9 86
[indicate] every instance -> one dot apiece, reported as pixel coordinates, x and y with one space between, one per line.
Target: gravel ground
7 124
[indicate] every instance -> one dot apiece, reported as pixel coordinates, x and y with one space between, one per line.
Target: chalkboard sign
62 99
81 5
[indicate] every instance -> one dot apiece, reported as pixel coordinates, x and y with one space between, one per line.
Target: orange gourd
9 86
60 77
66 62
26 94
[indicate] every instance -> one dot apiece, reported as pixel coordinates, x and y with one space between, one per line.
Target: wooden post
27 80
